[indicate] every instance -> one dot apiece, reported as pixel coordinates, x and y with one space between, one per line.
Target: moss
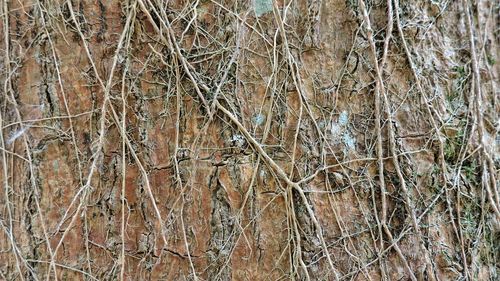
491 59
454 141
450 153
491 249
470 171
470 218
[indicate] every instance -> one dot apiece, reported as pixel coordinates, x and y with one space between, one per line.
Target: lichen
262 6
349 141
343 118
258 119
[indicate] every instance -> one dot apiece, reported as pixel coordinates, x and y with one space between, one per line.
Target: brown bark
249 140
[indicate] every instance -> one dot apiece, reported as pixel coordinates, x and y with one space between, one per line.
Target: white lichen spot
237 141
262 6
263 174
349 141
335 129
15 135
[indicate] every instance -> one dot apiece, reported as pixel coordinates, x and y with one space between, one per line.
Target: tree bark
249 140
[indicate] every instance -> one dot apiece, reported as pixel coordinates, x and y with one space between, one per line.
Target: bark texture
249 140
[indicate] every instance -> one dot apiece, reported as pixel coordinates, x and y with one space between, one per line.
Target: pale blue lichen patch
337 128
340 132
258 119
262 6
343 118
55 165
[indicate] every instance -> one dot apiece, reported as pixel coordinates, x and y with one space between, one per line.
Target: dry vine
249 140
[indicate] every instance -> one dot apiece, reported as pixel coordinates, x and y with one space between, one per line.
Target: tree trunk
249 140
